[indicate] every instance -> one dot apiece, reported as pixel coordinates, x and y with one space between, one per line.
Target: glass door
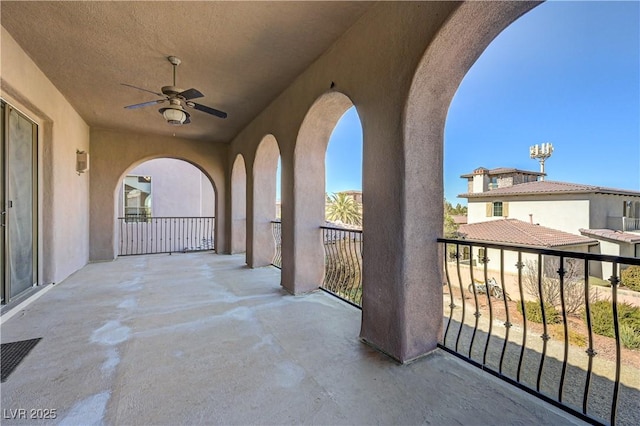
19 201
3 212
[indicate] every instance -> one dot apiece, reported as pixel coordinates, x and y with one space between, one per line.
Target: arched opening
264 196
406 294
567 85
343 165
238 206
164 205
303 261
343 234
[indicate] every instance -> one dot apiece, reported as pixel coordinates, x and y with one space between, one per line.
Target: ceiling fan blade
191 94
144 104
140 88
207 109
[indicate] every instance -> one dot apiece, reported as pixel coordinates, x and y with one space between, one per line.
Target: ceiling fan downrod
175 62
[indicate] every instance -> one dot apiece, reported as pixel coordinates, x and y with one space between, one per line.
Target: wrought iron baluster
488 292
590 351
464 303
507 323
545 334
615 280
477 313
523 346
452 305
561 273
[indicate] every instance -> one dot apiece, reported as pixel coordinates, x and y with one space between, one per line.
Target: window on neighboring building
137 198
497 208
493 183
465 253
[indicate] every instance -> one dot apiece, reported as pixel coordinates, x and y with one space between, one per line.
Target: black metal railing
343 263
277 238
545 322
165 235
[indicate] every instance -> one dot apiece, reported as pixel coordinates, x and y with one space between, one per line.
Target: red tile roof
549 187
513 231
460 219
627 237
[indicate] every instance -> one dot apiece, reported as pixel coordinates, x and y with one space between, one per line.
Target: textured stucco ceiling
240 55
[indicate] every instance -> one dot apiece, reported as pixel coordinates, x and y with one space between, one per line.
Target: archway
343 165
412 306
238 206
263 188
305 270
164 205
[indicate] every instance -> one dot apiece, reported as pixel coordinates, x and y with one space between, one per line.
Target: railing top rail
338 228
169 217
276 221
549 252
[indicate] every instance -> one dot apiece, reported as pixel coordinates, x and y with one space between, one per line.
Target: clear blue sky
566 73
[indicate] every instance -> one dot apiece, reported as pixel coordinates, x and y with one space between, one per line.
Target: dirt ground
604 346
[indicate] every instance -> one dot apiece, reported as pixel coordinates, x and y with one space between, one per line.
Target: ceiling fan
175 112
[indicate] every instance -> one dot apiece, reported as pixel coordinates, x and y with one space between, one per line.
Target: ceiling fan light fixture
174 115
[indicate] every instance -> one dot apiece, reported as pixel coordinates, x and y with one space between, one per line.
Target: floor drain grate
12 355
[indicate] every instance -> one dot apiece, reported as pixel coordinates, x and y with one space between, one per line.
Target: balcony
200 338
623 223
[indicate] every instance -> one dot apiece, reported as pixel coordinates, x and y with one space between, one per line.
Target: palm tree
343 208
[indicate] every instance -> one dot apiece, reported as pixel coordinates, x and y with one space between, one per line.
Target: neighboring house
519 233
583 210
166 187
617 243
355 194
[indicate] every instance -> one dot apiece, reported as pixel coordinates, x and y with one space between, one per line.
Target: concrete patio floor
201 339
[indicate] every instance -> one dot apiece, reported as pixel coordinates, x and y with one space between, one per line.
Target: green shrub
630 278
534 313
628 317
629 336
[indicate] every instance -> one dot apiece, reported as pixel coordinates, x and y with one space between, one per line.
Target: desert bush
629 336
630 278
550 283
534 312
602 322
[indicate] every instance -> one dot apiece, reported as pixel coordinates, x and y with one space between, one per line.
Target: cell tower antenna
541 153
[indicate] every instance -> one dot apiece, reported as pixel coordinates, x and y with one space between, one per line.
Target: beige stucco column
261 207
403 185
238 206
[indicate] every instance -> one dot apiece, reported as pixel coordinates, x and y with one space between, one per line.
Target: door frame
4 240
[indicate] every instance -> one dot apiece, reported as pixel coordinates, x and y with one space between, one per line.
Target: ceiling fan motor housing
172 91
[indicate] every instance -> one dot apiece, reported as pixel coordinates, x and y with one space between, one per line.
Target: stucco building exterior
177 189
606 220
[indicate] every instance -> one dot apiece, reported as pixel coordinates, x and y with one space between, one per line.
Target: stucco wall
63 195
567 215
178 189
603 206
115 153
